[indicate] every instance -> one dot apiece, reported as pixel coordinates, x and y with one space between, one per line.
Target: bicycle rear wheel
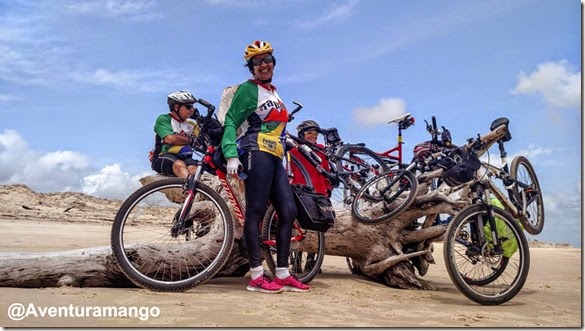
361 162
306 256
527 193
477 270
389 194
154 257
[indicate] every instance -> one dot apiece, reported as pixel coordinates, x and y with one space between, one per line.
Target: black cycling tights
267 180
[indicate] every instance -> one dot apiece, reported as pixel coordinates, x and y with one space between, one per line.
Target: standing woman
258 150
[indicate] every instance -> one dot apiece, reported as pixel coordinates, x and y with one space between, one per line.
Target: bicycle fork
189 187
477 227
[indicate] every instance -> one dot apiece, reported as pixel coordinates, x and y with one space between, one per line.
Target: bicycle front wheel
481 273
360 164
528 195
153 253
389 194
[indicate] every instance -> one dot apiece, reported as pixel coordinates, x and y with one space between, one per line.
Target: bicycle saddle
399 118
500 121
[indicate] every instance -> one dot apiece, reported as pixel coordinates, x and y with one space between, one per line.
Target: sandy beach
551 297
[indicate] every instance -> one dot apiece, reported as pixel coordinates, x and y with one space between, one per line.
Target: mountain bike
394 191
174 234
351 165
524 199
485 250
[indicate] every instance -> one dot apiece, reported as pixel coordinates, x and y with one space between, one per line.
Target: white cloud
555 82
111 182
8 98
333 14
535 154
532 152
386 110
132 10
240 3
60 171
562 207
139 80
14 154
31 53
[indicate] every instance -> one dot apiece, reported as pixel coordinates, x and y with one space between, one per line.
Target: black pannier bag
314 210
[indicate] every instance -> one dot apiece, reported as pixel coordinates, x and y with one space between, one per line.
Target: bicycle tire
387 196
533 222
141 232
353 267
303 265
366 159
466 262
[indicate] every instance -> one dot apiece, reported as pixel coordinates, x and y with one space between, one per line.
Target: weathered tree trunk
389 252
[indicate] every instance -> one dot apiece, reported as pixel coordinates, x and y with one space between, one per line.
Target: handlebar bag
314 210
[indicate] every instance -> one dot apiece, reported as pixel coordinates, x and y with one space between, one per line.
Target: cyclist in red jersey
309 131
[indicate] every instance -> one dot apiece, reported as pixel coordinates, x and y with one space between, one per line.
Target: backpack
509 245
224 104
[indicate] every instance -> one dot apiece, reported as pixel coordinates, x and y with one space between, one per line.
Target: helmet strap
175 114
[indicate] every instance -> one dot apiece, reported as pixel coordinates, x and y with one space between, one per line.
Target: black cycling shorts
163 164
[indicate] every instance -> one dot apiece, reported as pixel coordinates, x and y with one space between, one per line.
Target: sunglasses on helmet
258 61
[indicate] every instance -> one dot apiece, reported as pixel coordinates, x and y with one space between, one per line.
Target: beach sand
551 297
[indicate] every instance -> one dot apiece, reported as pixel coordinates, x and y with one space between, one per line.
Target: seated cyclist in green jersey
175 134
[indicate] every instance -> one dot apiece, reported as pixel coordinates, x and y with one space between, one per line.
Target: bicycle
485 250
395 190
174 234
351 164
524 198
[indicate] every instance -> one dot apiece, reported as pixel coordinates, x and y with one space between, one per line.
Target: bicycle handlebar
210 108
296 110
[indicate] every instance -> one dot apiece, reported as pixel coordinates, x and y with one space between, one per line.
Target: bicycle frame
394 154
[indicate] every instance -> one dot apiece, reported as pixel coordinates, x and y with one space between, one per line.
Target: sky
82 82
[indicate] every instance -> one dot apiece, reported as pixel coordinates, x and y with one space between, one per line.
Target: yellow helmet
255 48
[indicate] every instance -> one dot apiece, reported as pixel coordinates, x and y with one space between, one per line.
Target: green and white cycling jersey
165 125
260 114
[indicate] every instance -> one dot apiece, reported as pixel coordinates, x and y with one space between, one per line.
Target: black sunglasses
258 61
188 106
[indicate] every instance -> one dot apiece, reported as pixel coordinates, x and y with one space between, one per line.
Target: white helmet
180 97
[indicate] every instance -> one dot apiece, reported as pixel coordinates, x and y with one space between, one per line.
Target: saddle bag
314 210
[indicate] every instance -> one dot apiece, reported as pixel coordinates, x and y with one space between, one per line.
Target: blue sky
81 82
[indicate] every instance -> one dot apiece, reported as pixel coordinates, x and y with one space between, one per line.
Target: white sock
282 273
257 272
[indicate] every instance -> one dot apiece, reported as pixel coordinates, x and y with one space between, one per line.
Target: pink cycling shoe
264 284
292 284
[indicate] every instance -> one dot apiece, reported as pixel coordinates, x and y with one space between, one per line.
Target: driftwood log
391 252
388 252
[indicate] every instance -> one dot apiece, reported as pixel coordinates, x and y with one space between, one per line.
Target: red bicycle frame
395 154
